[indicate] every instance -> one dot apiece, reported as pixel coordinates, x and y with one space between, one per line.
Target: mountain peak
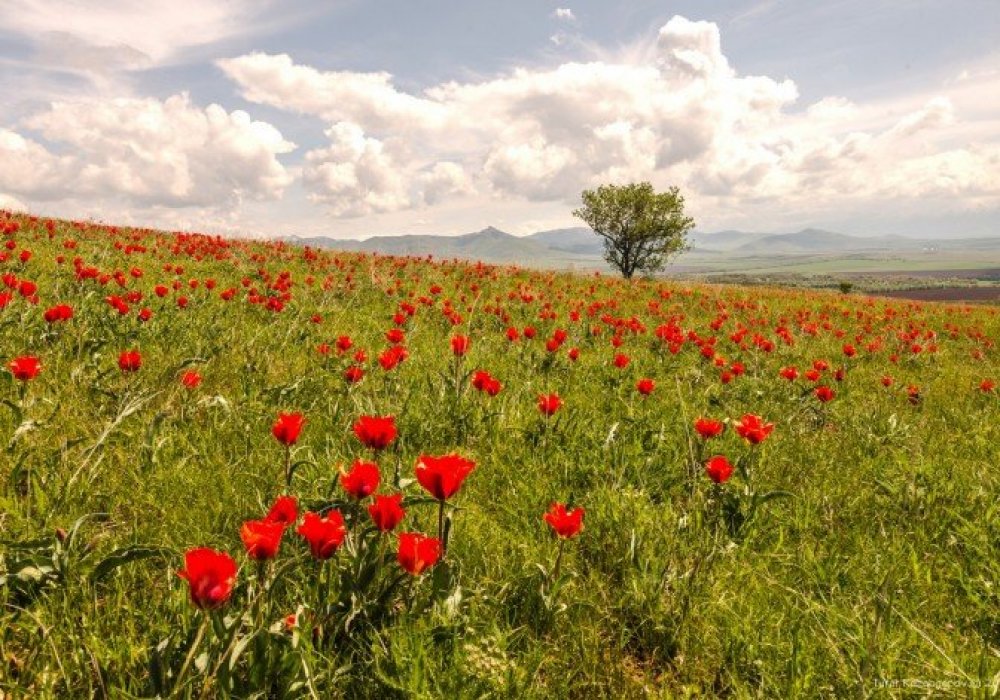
491 231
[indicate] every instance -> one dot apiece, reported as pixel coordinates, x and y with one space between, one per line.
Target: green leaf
127 555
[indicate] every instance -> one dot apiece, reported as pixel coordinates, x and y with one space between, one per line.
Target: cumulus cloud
125 32
8 203
145 151
564 13
674 111
355 175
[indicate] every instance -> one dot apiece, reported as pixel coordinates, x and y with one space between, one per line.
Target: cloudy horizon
264 118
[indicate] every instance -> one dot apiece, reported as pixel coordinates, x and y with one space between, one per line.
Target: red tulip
789 373
443 476
261 538
287 427
362 480
987 385
324 534
719 469
375 432
417 552
486 383
709 428
565 524
621 361
284 511
824 393
60 312
548 404
645 386
210 575
460 345
753 429
392 357
387 512
25 368
354 374
191 380
130 361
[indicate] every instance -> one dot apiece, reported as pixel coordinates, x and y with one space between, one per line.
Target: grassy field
853 551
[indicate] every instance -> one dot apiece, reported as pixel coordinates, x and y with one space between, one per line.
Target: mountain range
572 247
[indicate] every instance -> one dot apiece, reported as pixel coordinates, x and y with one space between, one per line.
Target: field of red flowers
250 469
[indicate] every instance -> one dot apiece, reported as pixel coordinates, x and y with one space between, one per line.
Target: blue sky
354 119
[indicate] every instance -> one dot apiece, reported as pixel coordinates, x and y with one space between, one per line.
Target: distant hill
580 240
488 245
581 247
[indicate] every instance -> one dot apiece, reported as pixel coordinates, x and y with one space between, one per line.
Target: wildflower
565 524
210 575
375 432
417 552
443 476
287 427
387 512
362 480
324 534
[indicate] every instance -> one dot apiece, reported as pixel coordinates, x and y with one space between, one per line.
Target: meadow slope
854 548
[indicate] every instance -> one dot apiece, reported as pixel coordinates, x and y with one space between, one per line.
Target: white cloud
673 111
147 151
8 203
355 175
130 31
564 13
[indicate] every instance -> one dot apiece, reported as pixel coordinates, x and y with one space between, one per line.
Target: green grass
882 565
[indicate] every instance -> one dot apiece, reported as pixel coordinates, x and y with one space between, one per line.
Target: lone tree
642 229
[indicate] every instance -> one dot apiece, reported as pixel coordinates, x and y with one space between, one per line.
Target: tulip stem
555 568
190 655
444 545
288 470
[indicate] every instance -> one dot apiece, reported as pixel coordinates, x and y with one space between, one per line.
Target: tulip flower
443 476
460 345
386 511
262 538
130 361
719 469
417 552
362 480
210 576
708 428
284 511
375 432
25 368
324 534
753 429
564 523
548 404
824 394
287 427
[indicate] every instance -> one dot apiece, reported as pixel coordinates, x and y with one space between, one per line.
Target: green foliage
642 229
883 565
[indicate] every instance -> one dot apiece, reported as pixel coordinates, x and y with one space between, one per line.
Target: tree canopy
642 229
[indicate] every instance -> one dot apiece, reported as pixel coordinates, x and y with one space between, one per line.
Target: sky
347 118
